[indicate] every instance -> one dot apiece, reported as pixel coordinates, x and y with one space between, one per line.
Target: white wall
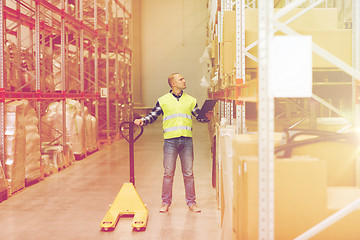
173 38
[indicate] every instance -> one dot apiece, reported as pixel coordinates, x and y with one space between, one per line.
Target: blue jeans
182 146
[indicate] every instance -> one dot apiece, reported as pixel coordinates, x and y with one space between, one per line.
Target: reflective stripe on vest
177 119
177 128
184 115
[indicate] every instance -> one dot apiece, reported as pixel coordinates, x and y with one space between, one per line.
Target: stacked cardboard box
320 23
300 202
302 194
228 46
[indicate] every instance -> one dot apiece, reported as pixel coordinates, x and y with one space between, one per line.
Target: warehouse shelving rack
239 92
69 43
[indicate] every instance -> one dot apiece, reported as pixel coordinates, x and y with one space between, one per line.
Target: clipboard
207 107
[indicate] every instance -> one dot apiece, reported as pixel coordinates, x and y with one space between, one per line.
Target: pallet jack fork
128 201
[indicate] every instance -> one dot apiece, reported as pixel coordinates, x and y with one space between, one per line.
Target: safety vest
177 120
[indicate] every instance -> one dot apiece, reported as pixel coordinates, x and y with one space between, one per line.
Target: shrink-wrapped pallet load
3 186
76 129
33 154
54 158
94 133
90 131
45 161
52 122
52 125
15 141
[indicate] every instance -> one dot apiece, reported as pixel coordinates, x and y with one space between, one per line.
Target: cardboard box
229 26
340 158
300 202
227 57
215 51
337 42
250 37
213 48
247 144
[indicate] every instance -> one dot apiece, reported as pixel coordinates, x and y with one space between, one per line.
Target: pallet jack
128 201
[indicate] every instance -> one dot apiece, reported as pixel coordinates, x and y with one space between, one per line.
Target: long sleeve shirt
157 111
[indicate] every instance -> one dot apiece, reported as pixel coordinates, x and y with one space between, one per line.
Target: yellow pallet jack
128 201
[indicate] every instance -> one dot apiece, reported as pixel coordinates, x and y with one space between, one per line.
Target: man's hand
138 122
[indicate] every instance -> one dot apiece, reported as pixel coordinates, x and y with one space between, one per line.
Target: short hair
171 78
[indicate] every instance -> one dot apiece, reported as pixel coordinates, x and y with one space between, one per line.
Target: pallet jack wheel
107 229
139 229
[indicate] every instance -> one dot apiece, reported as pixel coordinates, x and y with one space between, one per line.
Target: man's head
177 81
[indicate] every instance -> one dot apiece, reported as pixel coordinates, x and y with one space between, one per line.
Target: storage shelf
55 53
241 92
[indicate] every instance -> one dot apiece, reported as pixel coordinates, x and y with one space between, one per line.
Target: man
176 107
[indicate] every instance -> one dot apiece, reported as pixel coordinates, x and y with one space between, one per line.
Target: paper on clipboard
207 107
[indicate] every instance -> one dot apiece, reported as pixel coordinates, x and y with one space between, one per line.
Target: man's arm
196 111
151 117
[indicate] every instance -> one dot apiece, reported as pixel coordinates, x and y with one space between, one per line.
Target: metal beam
265 125
240 61
329 221
322 52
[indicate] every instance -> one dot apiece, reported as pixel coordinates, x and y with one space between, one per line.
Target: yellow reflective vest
177 120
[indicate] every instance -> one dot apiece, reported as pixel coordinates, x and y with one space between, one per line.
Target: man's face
179 82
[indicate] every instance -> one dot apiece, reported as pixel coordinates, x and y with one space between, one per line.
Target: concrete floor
71 204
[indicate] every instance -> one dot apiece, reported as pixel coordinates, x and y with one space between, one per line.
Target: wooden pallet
30 182
16 186
3 195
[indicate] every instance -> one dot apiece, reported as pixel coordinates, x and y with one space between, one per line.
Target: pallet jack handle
131 140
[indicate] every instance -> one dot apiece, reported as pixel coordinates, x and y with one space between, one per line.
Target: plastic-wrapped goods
28 68
71 113
15 141
16 77
76 136
52 127
3 187
72 75
90 132
69 156
47 61
11 74
88 128
55 157
51 123
45 160
33 154
94 133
